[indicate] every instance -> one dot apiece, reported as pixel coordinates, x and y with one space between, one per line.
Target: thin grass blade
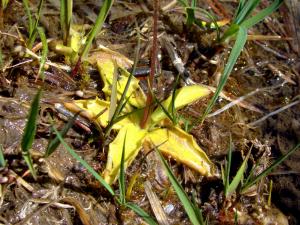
33 34
1 59
30 131
173 97
4 4
2 159
234 54
238 177
66 8
44 52
270 168
29 16
245 11
197 210
187 204
84 163
270 193
97 26
190 14
240 7
69 14
63 20
164 109
122 175
38 15
231 31
138 210
54 143
236 218
227 168
262 14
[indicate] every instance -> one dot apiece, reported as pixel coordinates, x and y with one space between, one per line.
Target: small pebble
79 93
3 180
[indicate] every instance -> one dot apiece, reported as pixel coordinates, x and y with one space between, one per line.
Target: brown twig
147 110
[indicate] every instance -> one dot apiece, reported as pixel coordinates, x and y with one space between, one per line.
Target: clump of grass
251 179
230 187
239 28
32 23
246 183
30 131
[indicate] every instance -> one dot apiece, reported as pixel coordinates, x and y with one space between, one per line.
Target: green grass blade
190 16
223 176
190 11
44 52
188 206
122 175
97 26
69 14
197 210
231 31
54 143
270 168
262 14
238 177
30 131
1 59
28 13
245 11
234 54
38 15
66 8
63 20
4 3
134 111
138 210
123 105
240 7
173 111
227 168
32 24
270 193
236 218
33 35
2 159
84 163
164 109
